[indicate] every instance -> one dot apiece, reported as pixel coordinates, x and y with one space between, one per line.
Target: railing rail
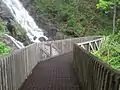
94 74
92 45
15 68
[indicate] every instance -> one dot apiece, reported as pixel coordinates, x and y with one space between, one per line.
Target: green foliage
118 23
69 19
110 51
2 27
4 49
21 34
104 4
72 17
107 4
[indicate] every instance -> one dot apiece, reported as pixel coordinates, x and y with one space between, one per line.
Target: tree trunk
114 20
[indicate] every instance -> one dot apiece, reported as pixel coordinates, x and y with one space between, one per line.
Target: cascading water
16 42
25 20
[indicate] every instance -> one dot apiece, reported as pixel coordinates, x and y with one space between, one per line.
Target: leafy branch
107 5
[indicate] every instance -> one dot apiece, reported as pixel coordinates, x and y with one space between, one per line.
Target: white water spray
25 20
16 42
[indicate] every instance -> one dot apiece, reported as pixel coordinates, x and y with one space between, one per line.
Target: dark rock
49 27
19 32
4 12
25 2
34 38
42 39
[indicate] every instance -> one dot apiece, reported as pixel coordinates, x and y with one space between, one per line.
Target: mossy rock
21 35
2 27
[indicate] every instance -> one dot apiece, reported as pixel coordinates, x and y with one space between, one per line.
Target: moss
21 34
2 27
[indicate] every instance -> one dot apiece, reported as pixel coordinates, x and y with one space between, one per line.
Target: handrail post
51 49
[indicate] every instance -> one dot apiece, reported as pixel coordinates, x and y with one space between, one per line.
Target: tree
109 5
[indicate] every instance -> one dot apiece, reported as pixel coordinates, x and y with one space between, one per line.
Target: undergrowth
73 17
109 51
4 49
2 27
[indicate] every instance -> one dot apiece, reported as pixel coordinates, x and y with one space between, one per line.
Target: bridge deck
53 74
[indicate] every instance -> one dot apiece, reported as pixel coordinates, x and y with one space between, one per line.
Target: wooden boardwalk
53 74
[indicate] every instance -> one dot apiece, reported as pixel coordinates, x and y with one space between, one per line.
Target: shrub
4 49
109 51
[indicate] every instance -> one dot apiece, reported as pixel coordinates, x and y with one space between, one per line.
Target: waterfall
22 16
16 42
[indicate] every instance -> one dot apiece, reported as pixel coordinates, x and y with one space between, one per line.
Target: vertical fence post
51 49
0 80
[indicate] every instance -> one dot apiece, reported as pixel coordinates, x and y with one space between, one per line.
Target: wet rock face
26 2
20 33
4 12
49 28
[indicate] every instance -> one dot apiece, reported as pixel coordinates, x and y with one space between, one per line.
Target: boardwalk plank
53 74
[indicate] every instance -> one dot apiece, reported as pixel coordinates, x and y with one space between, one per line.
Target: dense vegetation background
74 17
86 17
